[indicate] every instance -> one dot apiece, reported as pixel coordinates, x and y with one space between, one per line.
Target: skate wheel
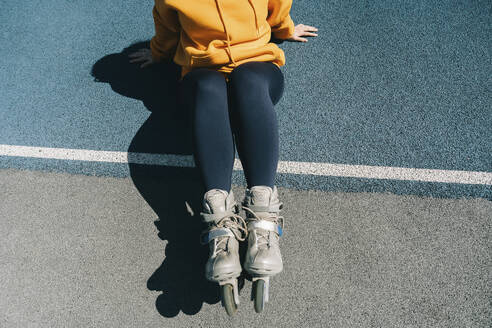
227 295
259 295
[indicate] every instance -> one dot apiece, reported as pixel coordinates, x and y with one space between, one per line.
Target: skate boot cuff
259 208
262 199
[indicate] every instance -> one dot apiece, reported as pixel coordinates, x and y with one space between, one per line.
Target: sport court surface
385 84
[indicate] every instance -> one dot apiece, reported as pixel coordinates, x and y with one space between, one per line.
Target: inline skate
263 259
225 229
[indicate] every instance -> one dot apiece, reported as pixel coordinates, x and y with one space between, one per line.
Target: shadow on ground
167 131
181 275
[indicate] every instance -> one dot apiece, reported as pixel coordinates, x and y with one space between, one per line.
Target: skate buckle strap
265 225
216 233
207 217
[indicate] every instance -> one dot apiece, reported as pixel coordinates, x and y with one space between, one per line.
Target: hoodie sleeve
167 29
279 18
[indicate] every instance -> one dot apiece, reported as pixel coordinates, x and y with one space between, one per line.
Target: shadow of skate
175 194
180 277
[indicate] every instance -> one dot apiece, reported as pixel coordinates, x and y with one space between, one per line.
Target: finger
301 39
138 60
309 34
136 54
141 51
310 28
147 63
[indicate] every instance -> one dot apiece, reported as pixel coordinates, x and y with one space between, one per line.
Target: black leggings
236 112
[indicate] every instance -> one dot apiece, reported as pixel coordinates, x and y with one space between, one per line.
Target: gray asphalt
81 251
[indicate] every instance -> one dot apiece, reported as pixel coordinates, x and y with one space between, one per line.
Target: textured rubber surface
392 83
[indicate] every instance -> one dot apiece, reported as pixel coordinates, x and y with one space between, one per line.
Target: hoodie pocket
217 57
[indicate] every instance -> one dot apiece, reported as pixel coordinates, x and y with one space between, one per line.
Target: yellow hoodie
220 34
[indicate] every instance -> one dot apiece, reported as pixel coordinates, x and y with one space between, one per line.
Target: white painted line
97 156
386 172
320 169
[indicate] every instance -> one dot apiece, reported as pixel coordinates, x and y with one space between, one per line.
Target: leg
203 92
255 88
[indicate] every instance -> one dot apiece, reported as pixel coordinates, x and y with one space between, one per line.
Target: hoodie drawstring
225 29
256 18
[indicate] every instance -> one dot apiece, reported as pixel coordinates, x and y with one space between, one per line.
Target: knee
206 92
248 76
206 81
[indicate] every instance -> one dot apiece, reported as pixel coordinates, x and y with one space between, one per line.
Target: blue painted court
385 84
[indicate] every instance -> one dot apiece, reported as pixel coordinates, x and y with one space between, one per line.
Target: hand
142 55
303 30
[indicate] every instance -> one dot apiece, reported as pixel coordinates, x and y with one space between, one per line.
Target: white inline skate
226 228
263 258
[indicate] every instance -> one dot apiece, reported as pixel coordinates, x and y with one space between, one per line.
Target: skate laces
264 235
235 223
